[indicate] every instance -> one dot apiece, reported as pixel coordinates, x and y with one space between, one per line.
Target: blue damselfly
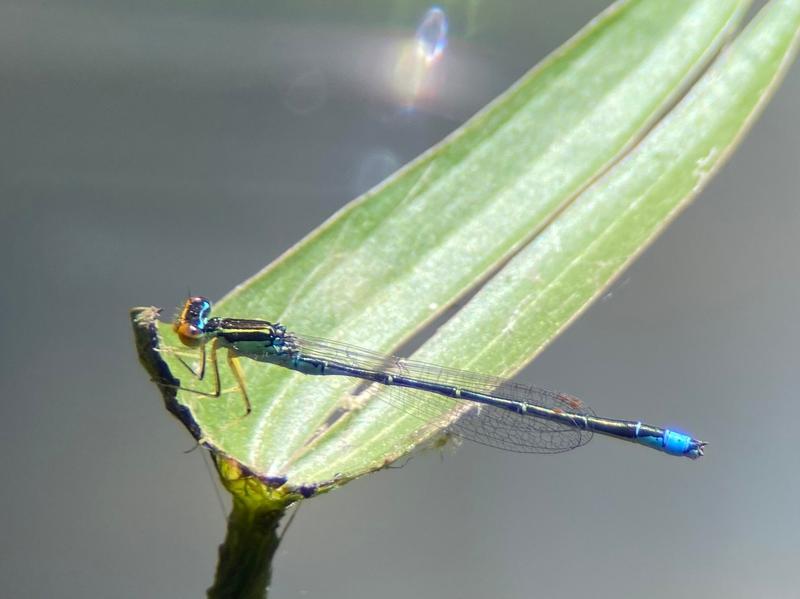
484 409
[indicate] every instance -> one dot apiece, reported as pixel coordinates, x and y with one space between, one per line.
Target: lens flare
413 78
432 34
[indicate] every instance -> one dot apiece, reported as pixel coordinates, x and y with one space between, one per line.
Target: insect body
485 409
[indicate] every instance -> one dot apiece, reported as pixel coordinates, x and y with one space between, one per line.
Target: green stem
244 569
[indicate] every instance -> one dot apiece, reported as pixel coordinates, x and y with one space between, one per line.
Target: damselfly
481 408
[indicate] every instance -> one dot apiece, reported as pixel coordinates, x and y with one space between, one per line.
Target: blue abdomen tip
676 443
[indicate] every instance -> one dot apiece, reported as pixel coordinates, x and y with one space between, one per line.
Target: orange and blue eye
193 319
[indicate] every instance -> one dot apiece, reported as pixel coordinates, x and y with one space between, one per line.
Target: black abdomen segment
628 430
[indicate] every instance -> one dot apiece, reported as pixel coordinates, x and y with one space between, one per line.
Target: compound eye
187 331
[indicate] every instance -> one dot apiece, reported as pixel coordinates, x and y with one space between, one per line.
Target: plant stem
244 569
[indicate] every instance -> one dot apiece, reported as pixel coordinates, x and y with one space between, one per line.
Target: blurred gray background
134 132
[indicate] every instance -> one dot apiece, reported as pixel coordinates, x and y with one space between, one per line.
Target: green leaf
572 172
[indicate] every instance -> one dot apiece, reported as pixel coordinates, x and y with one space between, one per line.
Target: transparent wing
481 423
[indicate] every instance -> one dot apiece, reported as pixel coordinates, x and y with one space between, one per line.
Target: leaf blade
550 282
344 282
